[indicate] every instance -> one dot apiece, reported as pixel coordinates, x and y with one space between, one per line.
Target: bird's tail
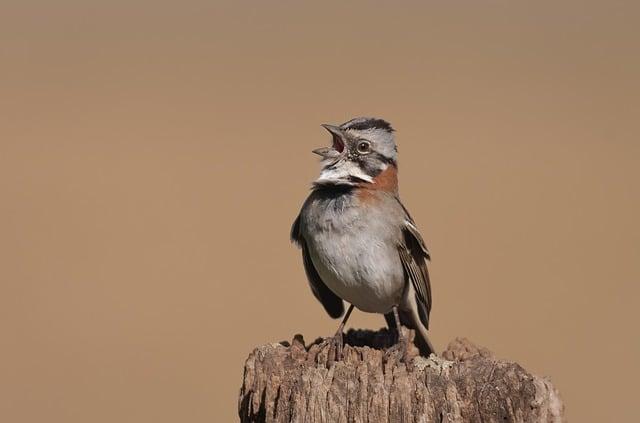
411 319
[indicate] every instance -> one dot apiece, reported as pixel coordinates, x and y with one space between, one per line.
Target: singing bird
359 244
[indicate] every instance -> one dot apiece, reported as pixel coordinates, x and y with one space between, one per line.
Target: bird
359 243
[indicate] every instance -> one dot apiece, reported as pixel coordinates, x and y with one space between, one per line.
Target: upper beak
338 143
335 130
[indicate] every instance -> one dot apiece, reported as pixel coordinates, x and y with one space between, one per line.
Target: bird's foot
338 343
401 347
335 347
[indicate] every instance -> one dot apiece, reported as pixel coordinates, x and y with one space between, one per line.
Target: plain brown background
154 154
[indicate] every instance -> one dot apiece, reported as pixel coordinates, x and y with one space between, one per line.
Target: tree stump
296 383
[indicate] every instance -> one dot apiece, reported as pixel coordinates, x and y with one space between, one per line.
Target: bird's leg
402 342
338 337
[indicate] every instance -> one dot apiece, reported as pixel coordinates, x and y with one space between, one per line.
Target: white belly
364 272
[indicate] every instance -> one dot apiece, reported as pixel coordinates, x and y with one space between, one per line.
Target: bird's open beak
338 145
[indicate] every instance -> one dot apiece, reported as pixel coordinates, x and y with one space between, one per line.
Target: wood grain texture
296 383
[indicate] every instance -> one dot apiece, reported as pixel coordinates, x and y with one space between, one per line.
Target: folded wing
330 301
414 255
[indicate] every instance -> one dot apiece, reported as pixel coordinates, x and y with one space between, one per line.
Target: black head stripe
360 124
370 164
385 159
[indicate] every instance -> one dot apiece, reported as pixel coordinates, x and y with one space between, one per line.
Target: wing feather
414 255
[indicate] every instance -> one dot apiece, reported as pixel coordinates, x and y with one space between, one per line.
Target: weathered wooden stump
296 383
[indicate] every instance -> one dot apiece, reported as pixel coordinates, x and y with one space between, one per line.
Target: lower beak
327 152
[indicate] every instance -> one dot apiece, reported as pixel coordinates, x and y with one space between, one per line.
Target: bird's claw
338 340
336 347
401 347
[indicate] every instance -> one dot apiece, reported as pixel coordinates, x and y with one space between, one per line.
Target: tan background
154 154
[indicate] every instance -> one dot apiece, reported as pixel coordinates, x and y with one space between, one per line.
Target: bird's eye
364 147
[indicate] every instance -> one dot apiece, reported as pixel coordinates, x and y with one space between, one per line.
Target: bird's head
361 149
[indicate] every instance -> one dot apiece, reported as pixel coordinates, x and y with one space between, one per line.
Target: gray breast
354 248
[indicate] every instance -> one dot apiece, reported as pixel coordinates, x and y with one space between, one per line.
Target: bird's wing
414 256
330 301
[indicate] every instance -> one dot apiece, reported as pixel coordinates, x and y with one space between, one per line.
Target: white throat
344 173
